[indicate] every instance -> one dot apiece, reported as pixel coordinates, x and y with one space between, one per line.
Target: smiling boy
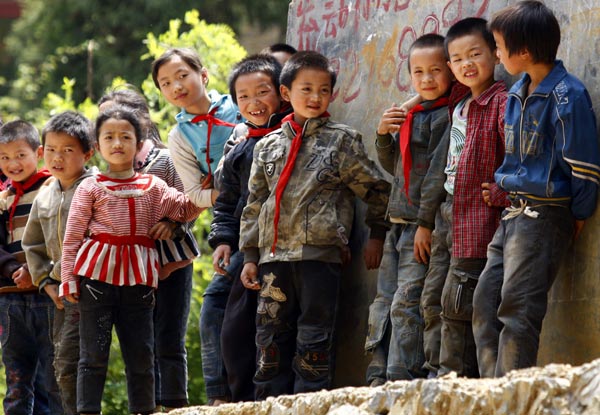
416 158
476 150
27 351
296 224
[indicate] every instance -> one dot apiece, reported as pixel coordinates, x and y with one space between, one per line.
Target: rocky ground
551 390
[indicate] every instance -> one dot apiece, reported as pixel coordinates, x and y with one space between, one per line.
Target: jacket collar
216 100
547 85
309 128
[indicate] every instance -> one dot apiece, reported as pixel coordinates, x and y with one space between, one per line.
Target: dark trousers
295 321
511 298
170 326
238 336
129 310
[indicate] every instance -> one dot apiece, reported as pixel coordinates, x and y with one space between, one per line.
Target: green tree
94 41
219 49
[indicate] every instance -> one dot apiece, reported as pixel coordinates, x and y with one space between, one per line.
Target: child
416 159
550 171
281 51
295 225
196 144
27 350
108 251
476 149
67 147
254 87
177 248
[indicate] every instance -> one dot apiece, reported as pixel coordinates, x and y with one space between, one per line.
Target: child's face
64 157
513 64
472 62
117 144
182 86
429 73
18 160
257 97
309 95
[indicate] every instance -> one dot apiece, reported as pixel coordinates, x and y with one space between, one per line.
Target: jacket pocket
321 220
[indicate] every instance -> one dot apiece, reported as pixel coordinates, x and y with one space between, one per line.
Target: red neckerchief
286 173
20 189
405 132
210 120
261 132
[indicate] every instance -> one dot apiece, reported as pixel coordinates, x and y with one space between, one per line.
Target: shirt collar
216 100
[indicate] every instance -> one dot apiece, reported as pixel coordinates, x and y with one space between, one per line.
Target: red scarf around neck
286 173
20 189
210 121
406 131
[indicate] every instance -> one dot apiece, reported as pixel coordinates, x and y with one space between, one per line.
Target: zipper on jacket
59 220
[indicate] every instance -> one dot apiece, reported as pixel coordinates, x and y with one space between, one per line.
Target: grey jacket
45 230
317 206
429 148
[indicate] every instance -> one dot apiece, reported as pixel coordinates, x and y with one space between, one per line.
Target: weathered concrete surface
553 390
367 42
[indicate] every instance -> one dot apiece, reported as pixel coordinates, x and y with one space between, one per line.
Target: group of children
489 188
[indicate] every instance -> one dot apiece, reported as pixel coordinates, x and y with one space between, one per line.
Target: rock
551 390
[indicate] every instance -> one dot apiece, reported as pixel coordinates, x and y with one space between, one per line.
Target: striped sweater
107 230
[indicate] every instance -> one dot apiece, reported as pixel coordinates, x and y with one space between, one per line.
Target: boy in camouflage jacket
297 220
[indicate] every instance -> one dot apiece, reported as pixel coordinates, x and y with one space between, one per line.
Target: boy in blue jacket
551 173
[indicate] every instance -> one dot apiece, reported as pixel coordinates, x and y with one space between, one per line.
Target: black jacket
225 227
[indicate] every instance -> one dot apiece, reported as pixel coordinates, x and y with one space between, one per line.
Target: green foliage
219 50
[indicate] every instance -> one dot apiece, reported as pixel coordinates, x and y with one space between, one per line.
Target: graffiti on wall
381 55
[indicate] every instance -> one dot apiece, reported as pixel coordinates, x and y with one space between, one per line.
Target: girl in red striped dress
111 265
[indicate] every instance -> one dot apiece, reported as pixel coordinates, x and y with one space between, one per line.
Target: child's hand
72 298
170 267
221 257
22 278
391 120
52 291
373 253
213 196
162 230
422 245
249 276
486 193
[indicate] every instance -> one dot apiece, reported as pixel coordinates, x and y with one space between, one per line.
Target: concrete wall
367 42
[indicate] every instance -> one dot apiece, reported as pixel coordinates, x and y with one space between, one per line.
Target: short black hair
20 130
71 123
120 112
266 64
279 47
430 40
307 59
469 26
129 96
529 26
187 55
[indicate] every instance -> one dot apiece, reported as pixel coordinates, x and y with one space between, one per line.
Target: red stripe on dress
117 271
82 257
126 258
132 219
137 273
103 276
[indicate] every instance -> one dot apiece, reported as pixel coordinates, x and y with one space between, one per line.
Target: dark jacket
225 227
429 148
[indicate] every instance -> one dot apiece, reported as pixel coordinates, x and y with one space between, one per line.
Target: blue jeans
129 309
27 354
431 297
211 321
511 297
399 286
66 354
170 325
